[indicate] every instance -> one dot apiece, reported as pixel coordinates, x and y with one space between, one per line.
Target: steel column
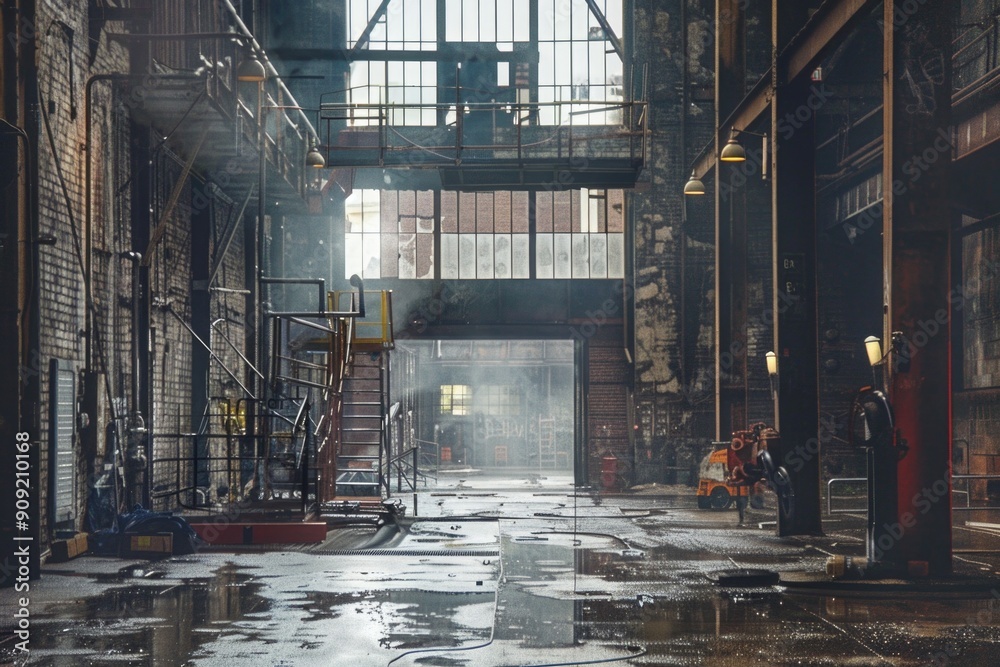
916 228
730 230
793 114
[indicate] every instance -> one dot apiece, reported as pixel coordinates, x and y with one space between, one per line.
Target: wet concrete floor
514 570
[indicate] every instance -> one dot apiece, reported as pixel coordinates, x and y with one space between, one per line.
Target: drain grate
475 553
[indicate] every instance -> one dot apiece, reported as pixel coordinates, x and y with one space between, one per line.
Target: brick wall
65 60
68 54
674 268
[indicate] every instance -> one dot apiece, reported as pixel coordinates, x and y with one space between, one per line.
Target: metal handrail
829 494
968 506
968 498
397 462
630 123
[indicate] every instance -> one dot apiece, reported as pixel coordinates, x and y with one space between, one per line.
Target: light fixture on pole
251 69
694 186
873 346
314 158
771 359
733 150
772 363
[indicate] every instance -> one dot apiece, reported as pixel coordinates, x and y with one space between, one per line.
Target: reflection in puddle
687 620
134 624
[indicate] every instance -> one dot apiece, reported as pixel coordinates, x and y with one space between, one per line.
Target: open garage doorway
492 407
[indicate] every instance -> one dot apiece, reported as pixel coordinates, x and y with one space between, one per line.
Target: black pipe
320 282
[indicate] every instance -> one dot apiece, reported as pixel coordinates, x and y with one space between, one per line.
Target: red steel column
916 227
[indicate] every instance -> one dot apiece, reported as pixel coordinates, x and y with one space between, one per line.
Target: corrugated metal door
63 441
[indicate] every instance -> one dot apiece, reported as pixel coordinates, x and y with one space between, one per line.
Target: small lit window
455 399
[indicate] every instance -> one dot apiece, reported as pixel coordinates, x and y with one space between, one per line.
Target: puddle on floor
132 623
683 619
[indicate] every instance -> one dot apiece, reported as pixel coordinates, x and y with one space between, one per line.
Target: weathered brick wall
607 404
673 256
66 58
68 54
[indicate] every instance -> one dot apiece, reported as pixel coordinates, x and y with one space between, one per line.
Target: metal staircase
315 436
363 435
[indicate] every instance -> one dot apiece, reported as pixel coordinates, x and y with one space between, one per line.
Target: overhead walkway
485 146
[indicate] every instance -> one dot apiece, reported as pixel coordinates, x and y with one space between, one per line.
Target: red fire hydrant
609 473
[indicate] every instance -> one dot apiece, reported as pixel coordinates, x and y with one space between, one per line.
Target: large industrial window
580 234
561 59
390 234
456 399
485 235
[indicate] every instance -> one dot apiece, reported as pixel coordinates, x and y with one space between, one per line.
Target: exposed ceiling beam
830 22
748 112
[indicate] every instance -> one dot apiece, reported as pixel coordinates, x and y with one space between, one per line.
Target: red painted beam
261 533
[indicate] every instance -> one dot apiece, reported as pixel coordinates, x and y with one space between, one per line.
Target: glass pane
371 223
501 254
544 261
546 64
598 256
449 256
484 212
449 212
453 20
506 20
353 255
519 261
519 212
616 256
487 21
470 21
407 256
467 212
484 244
581 256
467 256
543 212
562 18
425 256
502 211
521 22
390 245
425 204
370 256
561 256
562 217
